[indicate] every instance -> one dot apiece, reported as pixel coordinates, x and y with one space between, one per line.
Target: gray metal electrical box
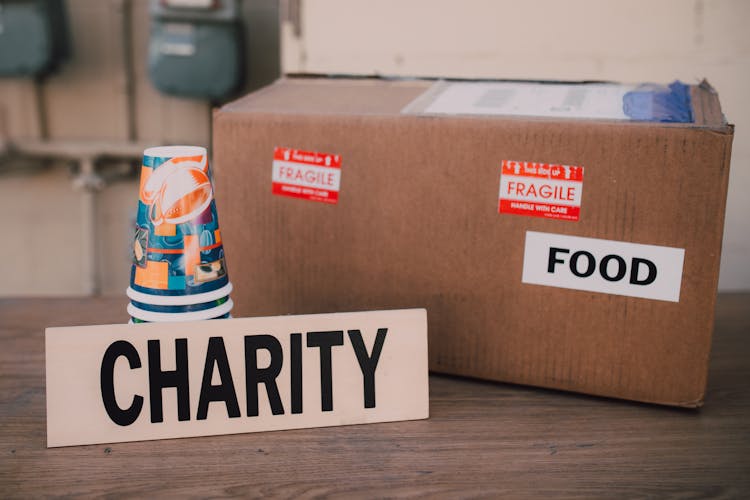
33 37
195 48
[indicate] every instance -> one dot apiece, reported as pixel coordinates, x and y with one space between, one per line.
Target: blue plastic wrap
659 103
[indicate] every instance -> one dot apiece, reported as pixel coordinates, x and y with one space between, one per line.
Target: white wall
633 40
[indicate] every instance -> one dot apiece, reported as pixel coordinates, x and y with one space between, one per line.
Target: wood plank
76 363
482 439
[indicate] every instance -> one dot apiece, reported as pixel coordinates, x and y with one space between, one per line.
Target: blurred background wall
100 99
103 94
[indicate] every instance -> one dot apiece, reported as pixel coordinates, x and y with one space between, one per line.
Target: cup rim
179 300
190 307
174 151
186 316
131 322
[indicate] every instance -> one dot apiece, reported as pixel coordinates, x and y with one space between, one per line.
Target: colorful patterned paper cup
177 249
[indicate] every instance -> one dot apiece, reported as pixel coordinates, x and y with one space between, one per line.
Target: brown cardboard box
416 224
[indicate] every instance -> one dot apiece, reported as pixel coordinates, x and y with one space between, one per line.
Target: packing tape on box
659 103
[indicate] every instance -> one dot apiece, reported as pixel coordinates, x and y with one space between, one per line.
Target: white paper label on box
306 174
605 266
540 190
590 100
116 383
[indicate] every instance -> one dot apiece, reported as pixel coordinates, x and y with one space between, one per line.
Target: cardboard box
408 208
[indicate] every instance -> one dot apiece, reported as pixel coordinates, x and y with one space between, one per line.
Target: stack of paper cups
179 272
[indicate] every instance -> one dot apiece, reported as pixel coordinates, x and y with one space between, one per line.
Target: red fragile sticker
306 174
541 190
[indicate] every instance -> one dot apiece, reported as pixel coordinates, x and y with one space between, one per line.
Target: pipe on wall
89 156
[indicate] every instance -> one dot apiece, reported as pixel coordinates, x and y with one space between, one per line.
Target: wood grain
482 440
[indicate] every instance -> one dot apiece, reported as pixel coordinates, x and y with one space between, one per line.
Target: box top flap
706 106
347 95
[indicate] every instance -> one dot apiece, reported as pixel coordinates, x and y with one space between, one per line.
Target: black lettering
650 277
117 414
158 380
296 372
325 340
217 355
590 268
553 258
267 376
368 363
621 267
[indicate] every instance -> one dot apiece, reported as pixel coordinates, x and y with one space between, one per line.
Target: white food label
605 266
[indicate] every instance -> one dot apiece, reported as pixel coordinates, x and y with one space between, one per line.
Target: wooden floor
482 440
